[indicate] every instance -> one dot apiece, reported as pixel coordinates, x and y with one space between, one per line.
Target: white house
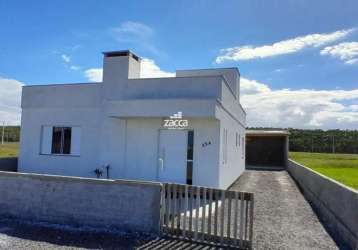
184 129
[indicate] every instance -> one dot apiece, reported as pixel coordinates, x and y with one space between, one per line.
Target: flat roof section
121 53
253 132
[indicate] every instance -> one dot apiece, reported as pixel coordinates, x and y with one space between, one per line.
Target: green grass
340 167
9 149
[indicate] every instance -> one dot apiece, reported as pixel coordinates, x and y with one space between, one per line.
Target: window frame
63 142
190 162
58 154
225 146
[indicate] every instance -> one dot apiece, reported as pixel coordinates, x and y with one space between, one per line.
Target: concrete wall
8 164
335 204
83 95
231 75
229 171
123 205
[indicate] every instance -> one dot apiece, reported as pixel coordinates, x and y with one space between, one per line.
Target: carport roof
253 132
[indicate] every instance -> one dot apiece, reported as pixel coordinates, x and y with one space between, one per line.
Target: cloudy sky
298 59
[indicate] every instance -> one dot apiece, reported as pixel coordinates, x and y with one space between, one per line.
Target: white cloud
138 35
10 99
280 48
67 61
94 74
279 70
66 58
347 52
148 70
132 31
302 108
252 87
74 67
353 107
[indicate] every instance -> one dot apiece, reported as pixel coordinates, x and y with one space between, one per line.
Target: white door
172 156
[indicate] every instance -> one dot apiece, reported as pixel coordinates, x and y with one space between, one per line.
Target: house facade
184 129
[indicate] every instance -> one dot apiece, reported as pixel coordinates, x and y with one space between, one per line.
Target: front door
172 162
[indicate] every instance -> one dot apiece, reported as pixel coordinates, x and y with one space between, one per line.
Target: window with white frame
224 146
237 139
58 140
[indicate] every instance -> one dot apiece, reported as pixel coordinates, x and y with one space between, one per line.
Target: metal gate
207 215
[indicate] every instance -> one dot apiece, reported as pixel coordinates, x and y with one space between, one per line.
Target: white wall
112 135
141 153
112 145
60 105
206 159
231 75
129 146
230 170
31 159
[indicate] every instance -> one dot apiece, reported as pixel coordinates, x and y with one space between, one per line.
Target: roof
121 53
208 69
250 132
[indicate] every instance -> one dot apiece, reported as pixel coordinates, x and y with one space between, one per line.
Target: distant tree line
322 141
11 133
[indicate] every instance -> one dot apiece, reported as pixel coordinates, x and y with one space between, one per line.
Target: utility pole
3 133
333 146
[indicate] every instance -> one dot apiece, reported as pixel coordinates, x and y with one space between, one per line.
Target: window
224 146
189 158
237 139
60 140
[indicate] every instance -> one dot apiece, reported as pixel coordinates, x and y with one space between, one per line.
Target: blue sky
278 45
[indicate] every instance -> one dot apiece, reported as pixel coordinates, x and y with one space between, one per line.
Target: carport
266 149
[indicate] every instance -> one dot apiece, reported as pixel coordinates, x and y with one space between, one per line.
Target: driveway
283 218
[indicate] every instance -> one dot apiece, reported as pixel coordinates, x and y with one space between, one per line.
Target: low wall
8 164
335 204
117 204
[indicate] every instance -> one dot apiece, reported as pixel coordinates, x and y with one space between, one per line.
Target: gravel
27 235
19 235
283 218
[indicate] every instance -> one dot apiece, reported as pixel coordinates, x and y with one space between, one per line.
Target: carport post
287 149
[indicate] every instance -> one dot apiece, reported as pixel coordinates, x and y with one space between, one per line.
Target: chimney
120 65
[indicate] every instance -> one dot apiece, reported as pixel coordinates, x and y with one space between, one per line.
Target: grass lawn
9 149
340 167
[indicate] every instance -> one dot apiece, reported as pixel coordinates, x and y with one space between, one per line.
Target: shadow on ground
16 235
175 243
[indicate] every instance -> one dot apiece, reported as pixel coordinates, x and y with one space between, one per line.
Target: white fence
208 215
